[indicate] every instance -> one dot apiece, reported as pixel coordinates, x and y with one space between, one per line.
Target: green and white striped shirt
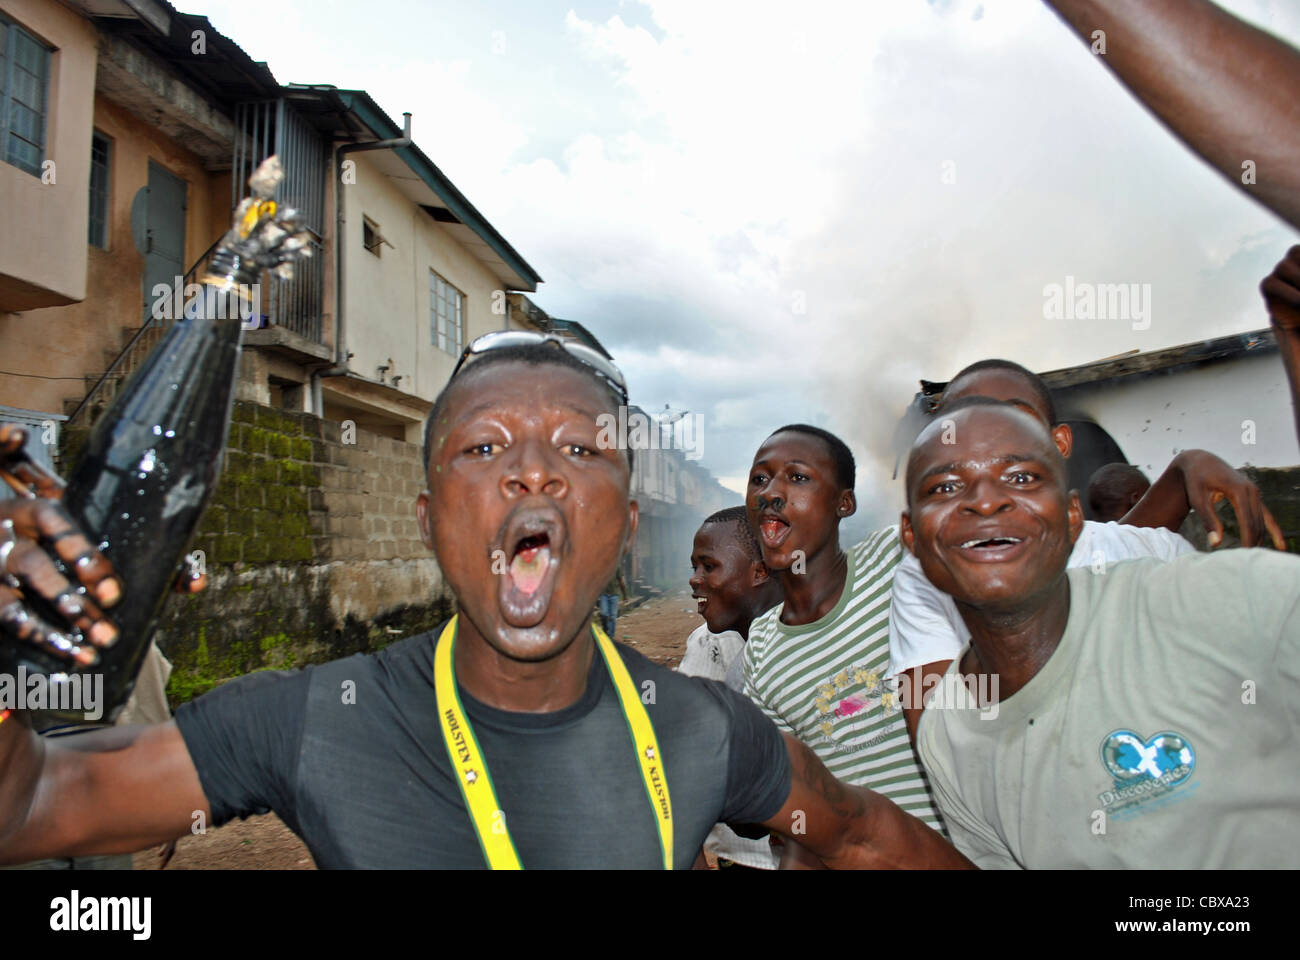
826 682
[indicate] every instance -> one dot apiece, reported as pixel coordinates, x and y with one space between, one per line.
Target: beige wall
388 296
43 225
82 339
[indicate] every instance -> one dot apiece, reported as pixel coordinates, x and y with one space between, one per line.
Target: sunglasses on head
501 339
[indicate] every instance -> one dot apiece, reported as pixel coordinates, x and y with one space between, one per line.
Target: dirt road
658 629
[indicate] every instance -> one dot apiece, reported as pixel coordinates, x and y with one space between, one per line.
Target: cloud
774 212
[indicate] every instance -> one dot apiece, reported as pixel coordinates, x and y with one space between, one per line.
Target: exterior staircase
137 342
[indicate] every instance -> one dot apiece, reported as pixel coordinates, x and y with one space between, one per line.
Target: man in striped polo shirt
817 664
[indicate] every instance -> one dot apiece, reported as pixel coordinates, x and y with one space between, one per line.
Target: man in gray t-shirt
1142 715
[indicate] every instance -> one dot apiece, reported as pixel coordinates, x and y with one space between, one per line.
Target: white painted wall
1154 417
388 296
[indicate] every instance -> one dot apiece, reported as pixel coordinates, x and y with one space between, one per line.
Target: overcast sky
747 202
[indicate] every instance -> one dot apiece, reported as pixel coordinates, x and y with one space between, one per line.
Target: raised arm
1225 88
1281 290
849 827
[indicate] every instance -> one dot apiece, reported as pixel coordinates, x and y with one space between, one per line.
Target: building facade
142 128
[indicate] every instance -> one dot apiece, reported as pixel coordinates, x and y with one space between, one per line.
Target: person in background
731 586
1114 490
608 601
816 664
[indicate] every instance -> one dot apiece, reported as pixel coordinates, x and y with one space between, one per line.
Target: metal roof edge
1198 352
368 112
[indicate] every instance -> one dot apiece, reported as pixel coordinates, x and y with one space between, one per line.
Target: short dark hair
1113 484
846 470
745 536
536 354
1040 388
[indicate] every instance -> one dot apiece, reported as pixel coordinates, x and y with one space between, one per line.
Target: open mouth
531 561
700 603
533 538
997 549
773 530
992 543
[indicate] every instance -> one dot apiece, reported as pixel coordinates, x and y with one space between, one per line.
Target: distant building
129 132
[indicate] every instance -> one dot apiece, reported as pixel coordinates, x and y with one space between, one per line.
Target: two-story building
130 131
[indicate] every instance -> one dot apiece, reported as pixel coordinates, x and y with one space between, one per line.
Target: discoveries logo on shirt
1144 769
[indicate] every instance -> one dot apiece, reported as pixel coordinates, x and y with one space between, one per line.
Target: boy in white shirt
731 586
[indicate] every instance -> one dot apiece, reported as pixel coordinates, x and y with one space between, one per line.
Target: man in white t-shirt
925 631
731 586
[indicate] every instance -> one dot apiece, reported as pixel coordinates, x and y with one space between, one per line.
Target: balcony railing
104 388
273 127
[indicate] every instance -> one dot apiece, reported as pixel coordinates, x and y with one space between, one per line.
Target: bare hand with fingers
1281 290
1208 480
72 623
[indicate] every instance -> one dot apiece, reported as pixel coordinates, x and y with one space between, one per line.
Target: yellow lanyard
476 783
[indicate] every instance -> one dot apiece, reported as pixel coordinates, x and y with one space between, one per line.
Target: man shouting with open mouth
517 735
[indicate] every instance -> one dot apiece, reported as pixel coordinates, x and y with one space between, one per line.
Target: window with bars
99 158
24 85
446 315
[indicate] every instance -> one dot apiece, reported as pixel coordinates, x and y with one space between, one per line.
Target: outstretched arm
1225 88
112 791
852 827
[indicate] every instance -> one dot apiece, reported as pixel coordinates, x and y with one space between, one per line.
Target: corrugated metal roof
1139 364
224 72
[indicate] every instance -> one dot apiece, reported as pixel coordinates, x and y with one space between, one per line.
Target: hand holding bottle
30 525
146 472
